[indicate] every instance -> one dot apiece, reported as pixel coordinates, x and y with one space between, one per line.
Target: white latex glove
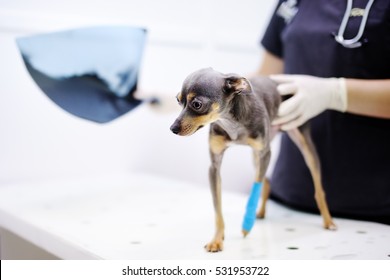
312 96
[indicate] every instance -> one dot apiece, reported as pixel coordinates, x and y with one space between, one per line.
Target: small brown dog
240 111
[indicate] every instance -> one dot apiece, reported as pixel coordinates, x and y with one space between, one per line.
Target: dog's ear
237 85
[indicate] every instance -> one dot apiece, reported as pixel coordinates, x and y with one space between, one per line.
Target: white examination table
140 216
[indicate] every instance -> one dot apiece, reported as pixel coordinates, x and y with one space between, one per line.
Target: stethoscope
354 42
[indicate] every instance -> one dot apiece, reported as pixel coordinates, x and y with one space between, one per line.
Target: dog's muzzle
175 127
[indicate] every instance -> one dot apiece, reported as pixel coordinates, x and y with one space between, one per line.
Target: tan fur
217 144
190 96
306 149
264 197
191 124
256 144
179 97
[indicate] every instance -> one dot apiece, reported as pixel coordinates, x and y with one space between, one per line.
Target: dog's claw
214 246
260 215
330 226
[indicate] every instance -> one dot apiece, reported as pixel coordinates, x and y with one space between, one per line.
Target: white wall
39 141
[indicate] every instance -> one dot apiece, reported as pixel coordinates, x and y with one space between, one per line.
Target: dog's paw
260 214
330 225
214 246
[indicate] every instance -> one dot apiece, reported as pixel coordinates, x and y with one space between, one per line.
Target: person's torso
309 45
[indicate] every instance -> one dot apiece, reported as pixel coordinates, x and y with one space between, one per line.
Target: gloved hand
312 96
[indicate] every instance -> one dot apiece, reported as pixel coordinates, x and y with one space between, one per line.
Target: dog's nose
175 128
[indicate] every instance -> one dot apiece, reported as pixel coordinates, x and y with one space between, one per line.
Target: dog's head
204 96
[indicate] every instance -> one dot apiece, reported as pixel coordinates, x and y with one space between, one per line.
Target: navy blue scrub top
354 150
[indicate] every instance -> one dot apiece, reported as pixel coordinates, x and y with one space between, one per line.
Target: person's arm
270 64
362 97
313 95
368 97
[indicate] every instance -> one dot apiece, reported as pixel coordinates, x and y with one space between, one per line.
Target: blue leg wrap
251 207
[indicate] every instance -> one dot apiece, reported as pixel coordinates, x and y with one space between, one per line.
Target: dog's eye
196 104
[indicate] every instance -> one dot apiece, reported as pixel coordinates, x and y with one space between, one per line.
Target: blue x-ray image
90 72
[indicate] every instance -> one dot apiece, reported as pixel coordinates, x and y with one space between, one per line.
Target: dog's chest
237 133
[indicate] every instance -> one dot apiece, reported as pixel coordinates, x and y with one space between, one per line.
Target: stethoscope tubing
354 42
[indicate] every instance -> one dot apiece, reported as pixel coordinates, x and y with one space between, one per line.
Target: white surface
149 217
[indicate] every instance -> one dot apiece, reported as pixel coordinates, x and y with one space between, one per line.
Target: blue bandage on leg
251 207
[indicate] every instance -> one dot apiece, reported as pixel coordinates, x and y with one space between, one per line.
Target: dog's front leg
261 160
217 149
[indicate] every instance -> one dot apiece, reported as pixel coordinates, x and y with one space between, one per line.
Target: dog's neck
240 108
235 116
231 127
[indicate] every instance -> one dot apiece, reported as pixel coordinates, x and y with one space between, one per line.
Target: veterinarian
336 55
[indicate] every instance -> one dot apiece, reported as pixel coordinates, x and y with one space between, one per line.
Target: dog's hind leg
217 149
264 197
302 138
